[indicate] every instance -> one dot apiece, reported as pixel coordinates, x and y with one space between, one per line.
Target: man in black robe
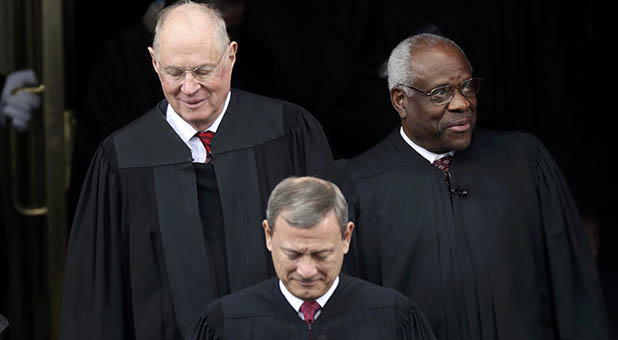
168 220
491 247
122 86
308 233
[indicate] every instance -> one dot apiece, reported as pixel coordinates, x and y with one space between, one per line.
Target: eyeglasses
202 73
443 94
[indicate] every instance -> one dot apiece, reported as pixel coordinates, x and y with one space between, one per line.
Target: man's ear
347 237
399 101
268 235
232 56
154 59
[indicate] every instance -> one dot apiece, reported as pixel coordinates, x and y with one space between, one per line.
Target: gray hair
211 11
398 69
304 202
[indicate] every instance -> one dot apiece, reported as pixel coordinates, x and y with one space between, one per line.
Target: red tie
308 308
443 163
206 137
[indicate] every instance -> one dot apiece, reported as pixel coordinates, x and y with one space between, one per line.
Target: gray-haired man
489 243
307 232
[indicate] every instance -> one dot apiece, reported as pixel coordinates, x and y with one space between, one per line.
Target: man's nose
190 84
306 267
459 103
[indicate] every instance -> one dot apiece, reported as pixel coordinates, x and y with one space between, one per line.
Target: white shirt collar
184 129
296 302
186 132
428 155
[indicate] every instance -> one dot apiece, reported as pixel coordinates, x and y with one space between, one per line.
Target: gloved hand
19 106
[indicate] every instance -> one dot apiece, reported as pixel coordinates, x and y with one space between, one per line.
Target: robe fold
502 256
357 310
137 267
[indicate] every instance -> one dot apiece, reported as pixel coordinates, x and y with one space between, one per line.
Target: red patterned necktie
308 308
443 163
205 138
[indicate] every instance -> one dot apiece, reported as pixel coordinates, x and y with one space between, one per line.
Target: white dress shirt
296 302
428 155
186 132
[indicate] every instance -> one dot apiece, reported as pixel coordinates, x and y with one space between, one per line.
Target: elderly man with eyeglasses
169 215
476 226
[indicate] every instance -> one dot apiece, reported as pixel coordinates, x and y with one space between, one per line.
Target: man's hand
19 106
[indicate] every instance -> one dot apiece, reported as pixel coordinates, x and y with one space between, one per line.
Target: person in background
15 104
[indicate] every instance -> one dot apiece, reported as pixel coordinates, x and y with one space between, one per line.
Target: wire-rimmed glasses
443 94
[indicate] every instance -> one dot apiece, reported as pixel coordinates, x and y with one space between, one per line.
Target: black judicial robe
357 310
136 265
508 259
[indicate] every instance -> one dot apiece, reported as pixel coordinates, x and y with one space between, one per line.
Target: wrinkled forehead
326 231
187 27
186 50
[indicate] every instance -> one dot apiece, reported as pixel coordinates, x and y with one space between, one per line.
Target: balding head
187 17
194 59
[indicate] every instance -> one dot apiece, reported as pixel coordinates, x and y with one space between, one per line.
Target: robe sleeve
578 306
414 326
95 303
209 323
203 331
